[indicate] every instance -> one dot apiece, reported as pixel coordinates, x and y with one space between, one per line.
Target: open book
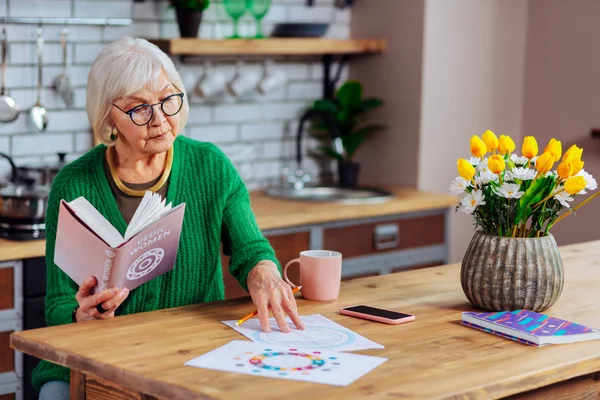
87 244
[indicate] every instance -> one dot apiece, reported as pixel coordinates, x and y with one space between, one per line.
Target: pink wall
391 157
562 92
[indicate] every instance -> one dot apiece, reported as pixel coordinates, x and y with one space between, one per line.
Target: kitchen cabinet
11 362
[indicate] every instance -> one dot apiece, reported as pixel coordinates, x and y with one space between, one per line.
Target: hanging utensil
62 82
39 115
8 106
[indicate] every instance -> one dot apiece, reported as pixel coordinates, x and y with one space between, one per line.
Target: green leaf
325 105
352 143
350 95
369 104
329 152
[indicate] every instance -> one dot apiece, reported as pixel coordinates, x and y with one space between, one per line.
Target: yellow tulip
565 169
505 145
496 163
490 140
554 147
574 153
530 147
575 184
465 169
478 148
544 162
577 165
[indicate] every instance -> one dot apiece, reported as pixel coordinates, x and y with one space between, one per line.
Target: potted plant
513 261
348 109
189 15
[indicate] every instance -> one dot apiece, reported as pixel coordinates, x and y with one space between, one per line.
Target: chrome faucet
299 178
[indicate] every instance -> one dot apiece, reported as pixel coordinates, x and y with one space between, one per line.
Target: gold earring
113 134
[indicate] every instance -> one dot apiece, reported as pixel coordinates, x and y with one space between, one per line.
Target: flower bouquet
513 261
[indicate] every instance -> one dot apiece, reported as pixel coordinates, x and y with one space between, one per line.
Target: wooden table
141 356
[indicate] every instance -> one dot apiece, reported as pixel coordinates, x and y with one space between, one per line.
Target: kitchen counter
434 357
272 213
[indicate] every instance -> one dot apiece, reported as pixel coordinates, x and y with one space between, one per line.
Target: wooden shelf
274 46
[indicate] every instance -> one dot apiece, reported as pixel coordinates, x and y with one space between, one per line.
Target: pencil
247 317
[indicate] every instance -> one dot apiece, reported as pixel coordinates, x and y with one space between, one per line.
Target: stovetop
22 232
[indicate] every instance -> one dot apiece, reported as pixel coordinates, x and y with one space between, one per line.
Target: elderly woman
137 107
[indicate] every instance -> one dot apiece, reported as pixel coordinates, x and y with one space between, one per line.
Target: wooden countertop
274 213
433 357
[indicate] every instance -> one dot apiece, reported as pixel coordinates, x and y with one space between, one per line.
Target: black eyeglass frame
162 103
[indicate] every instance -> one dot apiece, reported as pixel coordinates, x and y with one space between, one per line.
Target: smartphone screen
378 312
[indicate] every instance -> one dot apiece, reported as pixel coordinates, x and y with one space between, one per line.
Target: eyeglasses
142 114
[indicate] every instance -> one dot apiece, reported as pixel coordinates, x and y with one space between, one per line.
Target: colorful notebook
530 327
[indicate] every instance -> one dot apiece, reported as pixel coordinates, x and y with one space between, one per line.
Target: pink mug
320 274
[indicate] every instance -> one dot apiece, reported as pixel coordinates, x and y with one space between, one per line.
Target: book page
96 221
151 209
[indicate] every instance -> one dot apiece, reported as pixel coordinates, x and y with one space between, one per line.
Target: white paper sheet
318 366
320 333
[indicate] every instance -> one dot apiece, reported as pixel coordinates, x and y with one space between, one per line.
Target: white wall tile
102 9
152 10
83 141
214 133
74 34
284 149
246 171
277 13
238 113
200 114
43 143
295 71
336 31
26 98
23 53
342 15
256 132
86 53
268 169
310 14
292 110
4 146
3 8
20 125
71 120
20 76
79 101
40 8
240 152
305 91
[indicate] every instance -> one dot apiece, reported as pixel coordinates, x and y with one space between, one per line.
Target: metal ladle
38 114
62 82
8 106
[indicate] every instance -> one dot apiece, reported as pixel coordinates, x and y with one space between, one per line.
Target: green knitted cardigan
217 209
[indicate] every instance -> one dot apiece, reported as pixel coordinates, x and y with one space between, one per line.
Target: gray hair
122 68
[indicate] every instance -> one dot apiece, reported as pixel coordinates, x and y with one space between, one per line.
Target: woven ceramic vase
506 274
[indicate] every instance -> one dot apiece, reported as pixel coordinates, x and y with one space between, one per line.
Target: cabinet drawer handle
386 236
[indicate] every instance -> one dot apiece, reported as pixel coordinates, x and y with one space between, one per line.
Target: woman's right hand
109 298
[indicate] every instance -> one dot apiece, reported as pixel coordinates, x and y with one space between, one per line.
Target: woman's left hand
268 289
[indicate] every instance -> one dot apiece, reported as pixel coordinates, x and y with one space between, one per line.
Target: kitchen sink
332 194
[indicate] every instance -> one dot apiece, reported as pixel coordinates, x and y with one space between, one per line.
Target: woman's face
158 134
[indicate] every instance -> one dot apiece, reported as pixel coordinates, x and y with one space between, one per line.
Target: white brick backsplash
43 143
72 120
20 125
83 141
22 53
305 91
214 133
256 132
267 169
239 152
153 10
86 53
277 13
4 146
102 9
238 113
40 8
275 112
310 14
199 114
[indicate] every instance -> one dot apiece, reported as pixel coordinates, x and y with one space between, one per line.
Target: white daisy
471 201
518 160
510 191
483 165
590 181
524 174
485 177
474 161
563 197
459 185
